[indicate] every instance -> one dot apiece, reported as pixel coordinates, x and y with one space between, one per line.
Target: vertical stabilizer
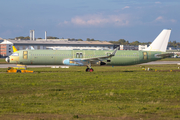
161 41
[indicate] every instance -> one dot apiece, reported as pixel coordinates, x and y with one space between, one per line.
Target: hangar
6 45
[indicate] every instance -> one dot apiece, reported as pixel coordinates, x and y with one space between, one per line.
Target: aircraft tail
161 41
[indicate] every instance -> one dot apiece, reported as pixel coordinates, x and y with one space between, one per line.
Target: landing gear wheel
91 70
87 69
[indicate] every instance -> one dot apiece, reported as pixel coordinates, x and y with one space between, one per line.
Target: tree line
124 42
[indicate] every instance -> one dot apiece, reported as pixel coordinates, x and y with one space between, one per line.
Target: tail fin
14 49
161 41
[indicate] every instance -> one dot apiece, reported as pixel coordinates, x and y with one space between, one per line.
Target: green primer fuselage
57 57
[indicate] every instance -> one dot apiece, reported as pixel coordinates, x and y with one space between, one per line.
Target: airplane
156 51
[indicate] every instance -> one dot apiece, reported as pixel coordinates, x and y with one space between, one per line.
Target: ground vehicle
18 70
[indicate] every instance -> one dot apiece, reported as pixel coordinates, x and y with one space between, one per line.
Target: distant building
24 44
6 45
171 48
128 47
5 48
142 47
54 40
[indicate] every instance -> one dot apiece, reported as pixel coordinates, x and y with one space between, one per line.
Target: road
150 63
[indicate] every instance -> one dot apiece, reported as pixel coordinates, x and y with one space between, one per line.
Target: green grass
2 61
107 93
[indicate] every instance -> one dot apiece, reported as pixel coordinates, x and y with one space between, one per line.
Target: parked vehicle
18 70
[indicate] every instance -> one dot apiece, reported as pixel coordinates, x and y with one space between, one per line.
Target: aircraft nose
7 59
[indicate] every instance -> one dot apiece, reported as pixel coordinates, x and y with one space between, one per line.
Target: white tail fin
161 41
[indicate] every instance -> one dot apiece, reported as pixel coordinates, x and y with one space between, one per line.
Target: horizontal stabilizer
165 55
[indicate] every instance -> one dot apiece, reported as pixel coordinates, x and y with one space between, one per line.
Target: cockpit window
15 54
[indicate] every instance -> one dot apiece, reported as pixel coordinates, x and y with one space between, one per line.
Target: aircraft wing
95 59
103 57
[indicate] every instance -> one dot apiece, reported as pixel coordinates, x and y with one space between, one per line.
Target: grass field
108 93
2 61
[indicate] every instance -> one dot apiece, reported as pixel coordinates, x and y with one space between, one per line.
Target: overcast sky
104 20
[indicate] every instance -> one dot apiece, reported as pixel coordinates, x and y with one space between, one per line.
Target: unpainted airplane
156 51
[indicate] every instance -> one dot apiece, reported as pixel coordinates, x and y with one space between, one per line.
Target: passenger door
25 54
79 55
145 57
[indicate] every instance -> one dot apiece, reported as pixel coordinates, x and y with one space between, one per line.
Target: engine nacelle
79 62
102 63
99 63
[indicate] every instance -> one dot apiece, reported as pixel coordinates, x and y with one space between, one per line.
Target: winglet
113 54
14 49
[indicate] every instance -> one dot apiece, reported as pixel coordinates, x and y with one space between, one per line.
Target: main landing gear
89 69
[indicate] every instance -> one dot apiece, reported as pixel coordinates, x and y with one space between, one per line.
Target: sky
105 20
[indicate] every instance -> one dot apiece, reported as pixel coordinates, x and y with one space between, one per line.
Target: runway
161 62
150 63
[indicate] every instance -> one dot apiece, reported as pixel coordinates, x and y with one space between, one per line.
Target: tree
88 39
23 38
80 40
50 37
135 43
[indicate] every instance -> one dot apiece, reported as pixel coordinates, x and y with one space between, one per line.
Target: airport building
5 48
24 44
131 47
128 47
60 44
6 45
